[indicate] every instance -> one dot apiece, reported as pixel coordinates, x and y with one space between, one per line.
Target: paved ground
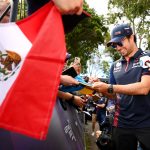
90 140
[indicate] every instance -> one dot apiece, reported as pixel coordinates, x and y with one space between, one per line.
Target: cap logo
117 33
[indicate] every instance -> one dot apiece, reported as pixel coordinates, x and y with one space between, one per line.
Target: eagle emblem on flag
9 63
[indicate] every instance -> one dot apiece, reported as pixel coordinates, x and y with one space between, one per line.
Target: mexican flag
32 55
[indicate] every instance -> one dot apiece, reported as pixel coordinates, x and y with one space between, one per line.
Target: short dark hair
135 39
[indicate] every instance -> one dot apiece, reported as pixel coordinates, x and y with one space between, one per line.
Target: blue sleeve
146 71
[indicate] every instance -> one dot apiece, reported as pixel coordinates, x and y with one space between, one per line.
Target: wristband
71 99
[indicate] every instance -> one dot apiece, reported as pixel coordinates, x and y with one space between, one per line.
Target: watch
110 89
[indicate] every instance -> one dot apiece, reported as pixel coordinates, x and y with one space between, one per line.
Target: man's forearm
138 88
64 95
131 89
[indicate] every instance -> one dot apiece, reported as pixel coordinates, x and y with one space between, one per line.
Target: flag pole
14 10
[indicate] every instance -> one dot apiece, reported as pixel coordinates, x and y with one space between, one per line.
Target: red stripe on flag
28 107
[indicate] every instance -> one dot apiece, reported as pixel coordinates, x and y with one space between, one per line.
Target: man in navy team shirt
130 86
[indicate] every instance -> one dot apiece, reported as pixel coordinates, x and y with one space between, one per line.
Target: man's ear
132 38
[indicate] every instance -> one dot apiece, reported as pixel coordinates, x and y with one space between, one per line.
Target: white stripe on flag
12 39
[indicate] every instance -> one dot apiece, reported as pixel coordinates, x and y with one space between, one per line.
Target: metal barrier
65 133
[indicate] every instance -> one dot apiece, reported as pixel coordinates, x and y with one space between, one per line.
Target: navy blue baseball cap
119 32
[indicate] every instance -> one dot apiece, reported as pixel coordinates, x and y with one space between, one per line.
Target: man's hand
78 101
69 6
100 86
68 80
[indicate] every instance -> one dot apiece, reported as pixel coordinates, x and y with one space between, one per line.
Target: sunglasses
114 45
